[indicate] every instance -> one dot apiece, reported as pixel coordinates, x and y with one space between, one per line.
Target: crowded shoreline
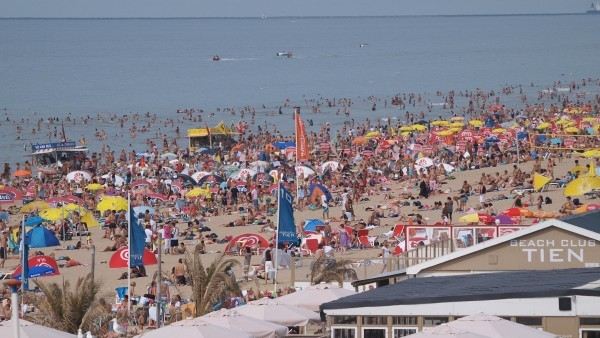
366 176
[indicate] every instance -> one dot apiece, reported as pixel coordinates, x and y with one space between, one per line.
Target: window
434 321
343 332
403 331
586 333
404 321
530 321
374 320
589 321
344 319
374 332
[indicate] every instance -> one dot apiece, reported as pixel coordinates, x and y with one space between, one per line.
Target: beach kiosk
48 157
208 136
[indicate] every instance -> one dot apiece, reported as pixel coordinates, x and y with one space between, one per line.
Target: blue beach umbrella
38 271
40 237
33 221
312 224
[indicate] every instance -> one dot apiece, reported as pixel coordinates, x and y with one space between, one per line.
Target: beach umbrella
572 130
469 218
456 125
38 266
445 331
28 329
457 118
70 207
243 174
142 210
157 196
315 190
35 206
198 175
424 162
439 123
211 178
78 176
495 327
593 153
251 240
304 171
186 179
120 258
112 203
192 328
89 220
168 156
53 214
330 165
448 168
263 178
372 134
230 319
445 133
418 127
360 140
22 173
476 123
582 185
40 237
498 130
141 183
275 312
313 296
117 181
539 181
94 187
543 125
33 221
198 192
65 199
312 224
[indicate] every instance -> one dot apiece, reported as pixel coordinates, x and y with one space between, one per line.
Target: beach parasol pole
129 258
276 263
14 300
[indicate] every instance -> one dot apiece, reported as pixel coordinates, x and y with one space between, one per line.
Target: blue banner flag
286 228
138 240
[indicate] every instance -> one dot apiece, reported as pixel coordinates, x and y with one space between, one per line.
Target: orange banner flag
301 141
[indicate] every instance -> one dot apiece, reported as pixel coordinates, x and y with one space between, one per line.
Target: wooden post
93 267
159 282
293 273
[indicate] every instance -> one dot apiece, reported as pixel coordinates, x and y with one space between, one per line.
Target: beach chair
312 245
363 239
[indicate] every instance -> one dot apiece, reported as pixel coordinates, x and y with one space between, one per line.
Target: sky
271 8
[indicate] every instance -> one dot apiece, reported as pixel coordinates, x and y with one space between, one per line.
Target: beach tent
278 313
189 328
230 319
40 237
313 296
39 266
33 221
250 240
495 327
120 258
312 224
315 191
28 329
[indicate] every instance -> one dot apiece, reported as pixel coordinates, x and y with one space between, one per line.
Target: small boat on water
287 54
216 58
595 8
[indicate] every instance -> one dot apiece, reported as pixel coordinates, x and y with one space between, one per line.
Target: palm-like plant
331 270
211 285
69 309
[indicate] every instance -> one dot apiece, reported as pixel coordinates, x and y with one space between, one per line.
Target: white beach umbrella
304 170
274 312
243 174
79 176
168 156
230 319
448 167
424 162
256 165
445 331
30 330
330 165
188 328
119 181
496 327
198 175
312 297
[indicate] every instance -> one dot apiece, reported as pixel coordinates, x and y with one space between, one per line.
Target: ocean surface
50 67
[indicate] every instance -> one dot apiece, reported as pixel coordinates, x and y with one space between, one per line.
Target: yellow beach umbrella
35 205
476 123
572 130
582 185
112 203
498 130
418 127
198 192
590 119
372 134
53 214
457 118
455 130
562 122
456 125
405 133
94 187
445 133
90 220
405 128
539 181
439 123
469 218
594 153
543 125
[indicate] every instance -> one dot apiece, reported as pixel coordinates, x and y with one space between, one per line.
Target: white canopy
275 312
230 319
445 331
31 330
187 328
312 297
496 327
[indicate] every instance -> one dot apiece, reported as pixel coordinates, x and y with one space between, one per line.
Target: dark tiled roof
589 220
475 287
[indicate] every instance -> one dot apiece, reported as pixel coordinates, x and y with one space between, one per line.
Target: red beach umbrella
121 257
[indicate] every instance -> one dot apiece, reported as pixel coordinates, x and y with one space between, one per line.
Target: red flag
301 141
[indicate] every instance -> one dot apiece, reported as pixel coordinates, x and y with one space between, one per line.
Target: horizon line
279 16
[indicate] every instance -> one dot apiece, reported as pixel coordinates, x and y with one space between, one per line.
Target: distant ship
595 8
287 54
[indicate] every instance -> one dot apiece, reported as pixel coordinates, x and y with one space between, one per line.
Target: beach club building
546 275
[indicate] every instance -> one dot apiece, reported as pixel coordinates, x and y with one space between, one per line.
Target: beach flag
137 240
301 141
539 181
286 228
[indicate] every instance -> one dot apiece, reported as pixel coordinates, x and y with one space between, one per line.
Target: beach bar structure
207 137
